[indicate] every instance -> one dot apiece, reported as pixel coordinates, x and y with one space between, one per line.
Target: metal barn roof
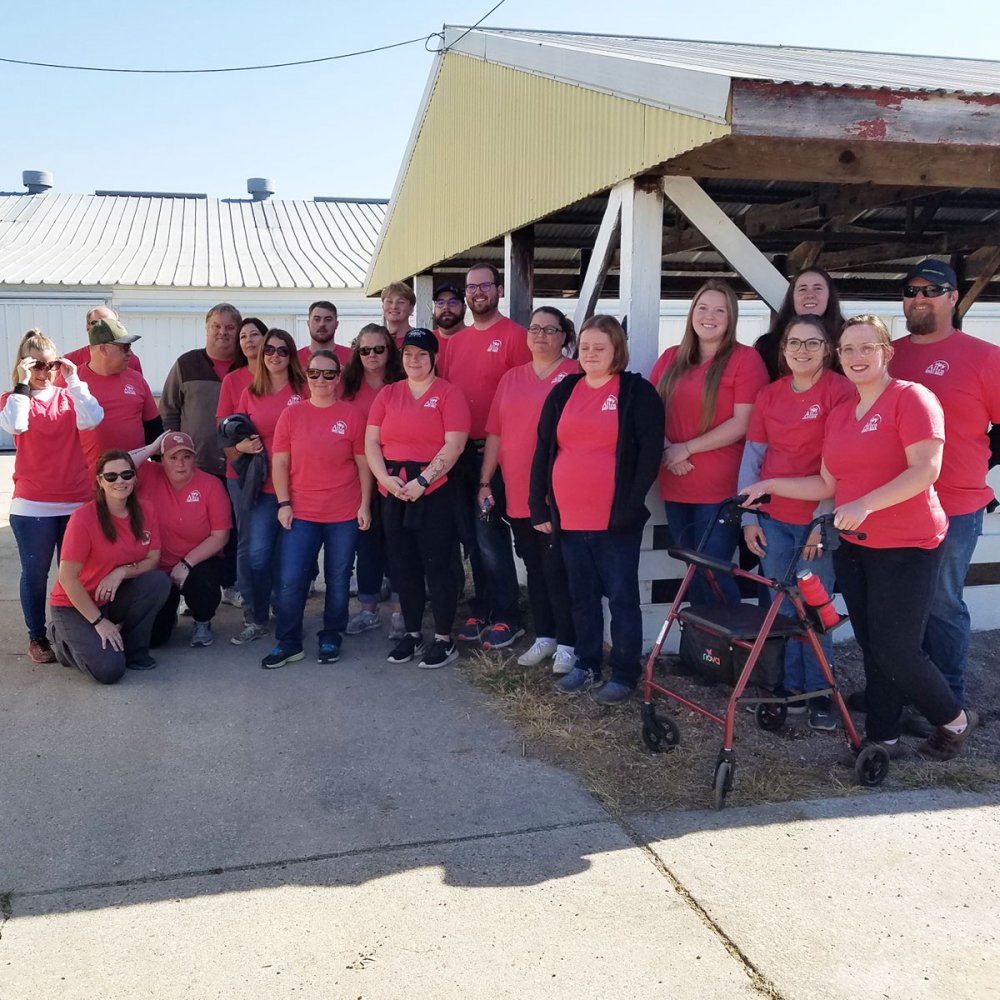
186 242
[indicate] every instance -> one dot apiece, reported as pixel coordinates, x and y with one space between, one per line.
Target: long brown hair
354 370
33 340
261 384
689 355
104 517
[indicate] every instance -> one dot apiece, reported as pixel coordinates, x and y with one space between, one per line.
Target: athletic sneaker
232 597
563 661
794 707
541 650
472 630
397 627
407 647
501 635
201 634
441 652
251 631
613 693
329 652
278 657
39 651
183 609
141 661
822 714
943 744
362 622
576 681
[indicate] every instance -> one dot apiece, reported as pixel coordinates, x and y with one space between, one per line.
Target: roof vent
37 181
260 188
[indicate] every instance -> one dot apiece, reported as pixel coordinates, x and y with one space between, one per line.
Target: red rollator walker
748 628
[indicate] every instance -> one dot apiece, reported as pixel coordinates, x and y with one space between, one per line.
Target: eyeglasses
441 303
282 351
928 291
365 351
812 345
864 350
483 286
46 366
124 348
113 477
327 374
549 331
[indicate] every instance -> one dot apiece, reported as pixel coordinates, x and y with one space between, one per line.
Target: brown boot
943 744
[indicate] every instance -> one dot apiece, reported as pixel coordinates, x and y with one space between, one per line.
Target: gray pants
76 642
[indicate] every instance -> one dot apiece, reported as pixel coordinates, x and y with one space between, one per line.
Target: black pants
420 542
548 590
888 594
202 590
228 557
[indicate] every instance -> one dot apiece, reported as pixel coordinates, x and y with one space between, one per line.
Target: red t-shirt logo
873 423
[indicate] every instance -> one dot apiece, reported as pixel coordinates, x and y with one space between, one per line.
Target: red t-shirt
476 360
514 419
583 476
187 515
964 373
715 472
413 430
323 480
127 401
229 399
221 367
84 543
865 454
264 412
364 398
49 465
792 425
81 357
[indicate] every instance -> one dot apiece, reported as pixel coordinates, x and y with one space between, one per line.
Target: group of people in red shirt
392 454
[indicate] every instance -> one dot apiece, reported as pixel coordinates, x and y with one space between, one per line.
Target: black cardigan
637 456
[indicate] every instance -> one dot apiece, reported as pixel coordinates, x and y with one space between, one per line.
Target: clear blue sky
338 128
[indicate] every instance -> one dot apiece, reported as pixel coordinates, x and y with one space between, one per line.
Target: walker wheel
659 732
771 717
722 783
872 766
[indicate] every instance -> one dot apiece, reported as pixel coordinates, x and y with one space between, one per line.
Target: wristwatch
422 482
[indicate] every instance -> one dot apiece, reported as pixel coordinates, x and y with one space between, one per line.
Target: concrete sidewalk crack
5 910
758 981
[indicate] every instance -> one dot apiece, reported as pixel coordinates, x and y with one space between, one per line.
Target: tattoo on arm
436 467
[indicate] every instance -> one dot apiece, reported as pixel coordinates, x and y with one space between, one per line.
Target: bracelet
97 621
184 562
484 486
422 482
284 503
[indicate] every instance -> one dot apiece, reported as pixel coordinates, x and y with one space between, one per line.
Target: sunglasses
113 477
46 366
282 352
365 351
928 291
327 374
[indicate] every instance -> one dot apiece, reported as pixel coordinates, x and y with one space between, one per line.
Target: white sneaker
540 650
183 609
362 622
563 661
397 629
232 597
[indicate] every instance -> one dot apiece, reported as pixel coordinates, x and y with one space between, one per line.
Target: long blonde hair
33 340
689 355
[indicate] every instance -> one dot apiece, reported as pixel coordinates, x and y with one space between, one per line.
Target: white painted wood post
641 267
423 288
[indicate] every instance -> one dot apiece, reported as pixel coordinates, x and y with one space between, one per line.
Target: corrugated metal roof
72 239
781 64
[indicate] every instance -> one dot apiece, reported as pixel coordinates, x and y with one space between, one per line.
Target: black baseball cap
448 286
421 338
935 271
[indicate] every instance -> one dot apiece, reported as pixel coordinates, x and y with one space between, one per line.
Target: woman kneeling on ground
600 437
324 490
109 590
195 520
881 457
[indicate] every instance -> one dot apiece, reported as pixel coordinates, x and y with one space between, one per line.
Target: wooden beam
727 238
865 255
608 238
803 256
423 288
989 267
641 265
519 276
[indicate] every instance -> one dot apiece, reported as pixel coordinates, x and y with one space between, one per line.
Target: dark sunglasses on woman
327 374
282 351
113 477
365 351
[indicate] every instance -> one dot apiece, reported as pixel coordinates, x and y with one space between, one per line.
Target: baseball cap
176 441
449 287
421 338
935 271
110 331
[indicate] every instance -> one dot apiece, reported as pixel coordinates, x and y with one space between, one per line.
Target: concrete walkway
210 829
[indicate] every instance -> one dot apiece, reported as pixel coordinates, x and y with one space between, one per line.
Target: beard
921 323
448 321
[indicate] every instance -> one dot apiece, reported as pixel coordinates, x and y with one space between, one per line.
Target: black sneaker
141 661
329 652
441 652
278 657
822 714
407 647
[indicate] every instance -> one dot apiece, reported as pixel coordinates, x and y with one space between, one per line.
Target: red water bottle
815 595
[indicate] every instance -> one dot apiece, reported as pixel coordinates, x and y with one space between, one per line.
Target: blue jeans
946 639
38 539
263 544
299 549
605 564
686 525
244 583
784 540
371 559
